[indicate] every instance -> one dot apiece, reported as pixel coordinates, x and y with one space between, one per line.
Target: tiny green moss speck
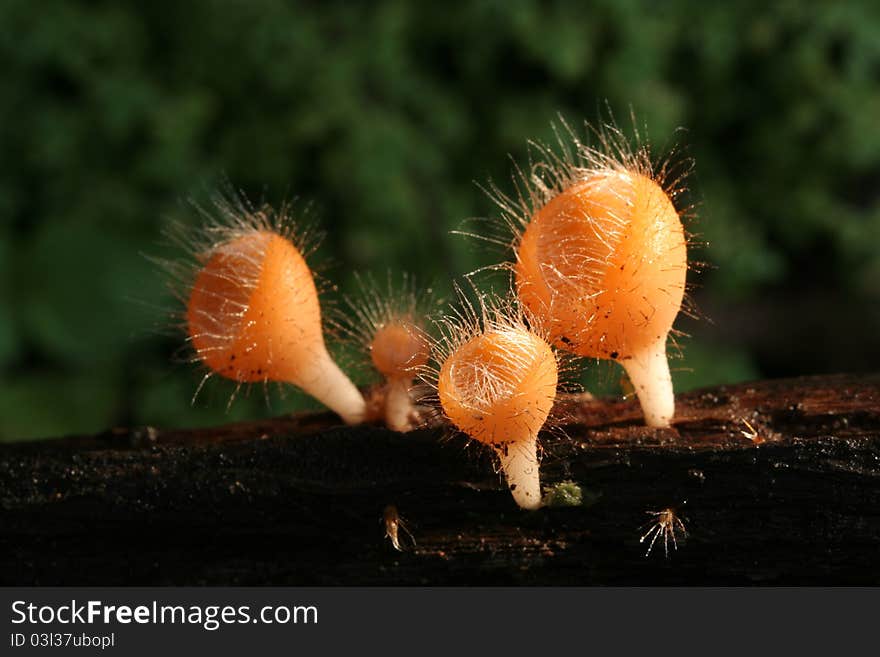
565 493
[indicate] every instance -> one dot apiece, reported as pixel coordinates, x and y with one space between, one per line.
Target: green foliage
113 113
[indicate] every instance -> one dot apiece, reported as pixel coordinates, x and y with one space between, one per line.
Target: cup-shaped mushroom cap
603 263
398 348
253 311
499 386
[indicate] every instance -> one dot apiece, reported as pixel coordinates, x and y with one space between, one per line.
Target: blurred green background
112 114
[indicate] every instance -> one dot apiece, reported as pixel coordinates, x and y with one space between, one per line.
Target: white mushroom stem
519 462
648 372
324 381
398 404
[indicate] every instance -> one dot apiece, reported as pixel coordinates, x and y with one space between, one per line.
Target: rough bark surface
301 500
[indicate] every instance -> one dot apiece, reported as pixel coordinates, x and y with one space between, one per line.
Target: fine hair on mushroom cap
252 309
387 324
495 378
601 252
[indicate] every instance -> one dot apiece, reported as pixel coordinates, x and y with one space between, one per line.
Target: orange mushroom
253 313
497 384
397 349
602 260
389 325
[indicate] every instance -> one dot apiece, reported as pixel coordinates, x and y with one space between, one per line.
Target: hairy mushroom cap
398 348
605 260
252 307
499 386
496 382
253 312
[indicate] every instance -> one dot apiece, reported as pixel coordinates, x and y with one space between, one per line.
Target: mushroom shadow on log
776 482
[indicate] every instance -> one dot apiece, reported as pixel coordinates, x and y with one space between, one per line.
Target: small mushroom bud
397 349
389 325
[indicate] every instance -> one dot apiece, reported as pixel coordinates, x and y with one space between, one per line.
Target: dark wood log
300 500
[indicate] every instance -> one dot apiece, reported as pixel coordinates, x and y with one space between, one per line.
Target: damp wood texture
776 482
